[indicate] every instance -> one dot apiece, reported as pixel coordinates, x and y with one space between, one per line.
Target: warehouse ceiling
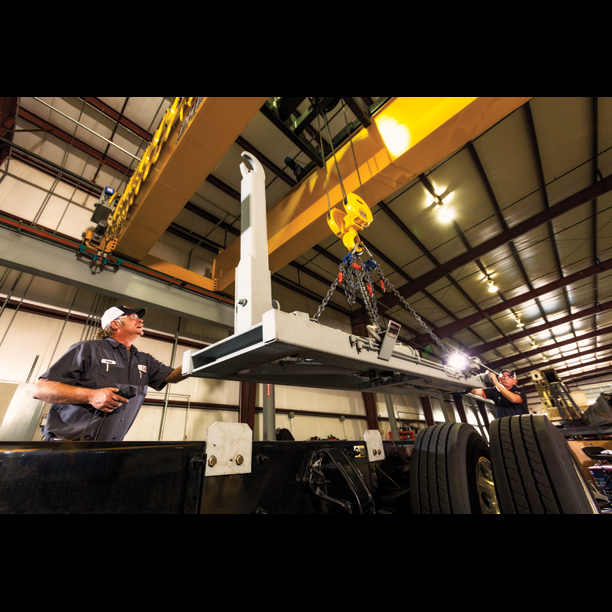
520 276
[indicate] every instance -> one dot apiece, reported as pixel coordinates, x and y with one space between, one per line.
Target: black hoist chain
355 274
408 307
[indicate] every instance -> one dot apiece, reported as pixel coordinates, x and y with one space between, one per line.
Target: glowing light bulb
445 214
457 361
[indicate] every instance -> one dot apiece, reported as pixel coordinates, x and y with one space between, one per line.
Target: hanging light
517 318
445 213
492 286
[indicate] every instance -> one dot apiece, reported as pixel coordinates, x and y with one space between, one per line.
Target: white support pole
22 416
269 412
253 281
391 413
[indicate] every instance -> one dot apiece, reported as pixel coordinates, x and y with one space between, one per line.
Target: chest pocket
108 373
143 374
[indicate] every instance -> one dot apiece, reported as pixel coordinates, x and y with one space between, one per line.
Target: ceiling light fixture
488 277
517 318
445 213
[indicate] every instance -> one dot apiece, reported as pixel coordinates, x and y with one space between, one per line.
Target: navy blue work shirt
96 364
503 405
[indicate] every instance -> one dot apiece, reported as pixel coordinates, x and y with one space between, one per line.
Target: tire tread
530 485
431 470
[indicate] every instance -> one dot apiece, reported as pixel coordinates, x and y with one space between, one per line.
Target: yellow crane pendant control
345 225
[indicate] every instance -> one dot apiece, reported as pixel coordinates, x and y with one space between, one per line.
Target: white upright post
253 283
391 413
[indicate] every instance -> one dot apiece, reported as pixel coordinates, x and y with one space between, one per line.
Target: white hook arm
257 168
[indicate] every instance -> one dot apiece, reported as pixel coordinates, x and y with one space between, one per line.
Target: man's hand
106 399
53 392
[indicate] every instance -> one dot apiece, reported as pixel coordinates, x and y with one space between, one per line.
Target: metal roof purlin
448 330
598 189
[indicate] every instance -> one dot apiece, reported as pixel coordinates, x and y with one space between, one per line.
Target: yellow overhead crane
192 138
119 211
407 136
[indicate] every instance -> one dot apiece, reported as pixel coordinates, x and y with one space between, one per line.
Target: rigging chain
355 274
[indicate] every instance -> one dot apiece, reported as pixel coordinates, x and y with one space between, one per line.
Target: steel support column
391 413
248 395
483 414
369 399
460 407
426 403
269 413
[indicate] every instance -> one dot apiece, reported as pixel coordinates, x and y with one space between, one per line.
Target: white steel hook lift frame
275 347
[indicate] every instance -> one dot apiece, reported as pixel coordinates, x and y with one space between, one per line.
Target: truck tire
534 470
450 472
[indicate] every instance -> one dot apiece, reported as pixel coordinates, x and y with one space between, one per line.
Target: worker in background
509 399
82 385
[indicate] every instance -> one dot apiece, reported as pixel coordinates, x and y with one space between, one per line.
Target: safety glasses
130 316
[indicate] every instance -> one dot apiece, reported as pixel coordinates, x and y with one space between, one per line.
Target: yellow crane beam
183 153
406 137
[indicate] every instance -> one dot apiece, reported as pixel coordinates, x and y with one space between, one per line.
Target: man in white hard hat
97 388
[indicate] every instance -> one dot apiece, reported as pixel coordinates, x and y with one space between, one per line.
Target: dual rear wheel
526 469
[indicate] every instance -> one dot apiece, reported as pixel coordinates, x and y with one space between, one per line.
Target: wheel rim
486 487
